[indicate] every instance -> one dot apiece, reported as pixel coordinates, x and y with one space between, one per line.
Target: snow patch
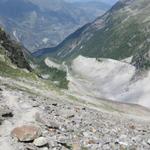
15 35
51 64
45 40
45 76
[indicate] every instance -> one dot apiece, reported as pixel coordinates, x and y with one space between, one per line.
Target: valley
37 24
90 92
67 121
121 32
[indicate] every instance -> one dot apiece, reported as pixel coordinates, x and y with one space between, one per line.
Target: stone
94 130
148 142
91 142
1 120
26 133
7 115
46 122
5 112
123 145
44 148
41 141
51 130
55 104
71 116
131 126
76 146
52 125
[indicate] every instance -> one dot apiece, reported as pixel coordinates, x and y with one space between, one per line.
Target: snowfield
109 79
51 64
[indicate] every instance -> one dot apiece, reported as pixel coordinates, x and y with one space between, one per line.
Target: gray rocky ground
64 125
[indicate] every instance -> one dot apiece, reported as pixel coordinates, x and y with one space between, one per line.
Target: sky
105 1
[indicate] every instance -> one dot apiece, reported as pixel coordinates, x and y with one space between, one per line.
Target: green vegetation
13 64
8 71
13 50
120 33
54 74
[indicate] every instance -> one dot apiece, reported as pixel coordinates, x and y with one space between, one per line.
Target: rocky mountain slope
36 115
11 50
120 33
45 120
39 117
14 56
39 24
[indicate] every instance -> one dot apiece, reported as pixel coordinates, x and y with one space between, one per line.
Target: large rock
26 133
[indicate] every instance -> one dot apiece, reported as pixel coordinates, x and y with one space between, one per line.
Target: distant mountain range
103 1
39 24
120 33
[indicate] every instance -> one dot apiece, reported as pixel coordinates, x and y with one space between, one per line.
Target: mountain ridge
36 114
13 50
44 24
120 33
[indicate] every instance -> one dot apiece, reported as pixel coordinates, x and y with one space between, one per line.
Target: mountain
120 33
92 8
39 24
35 114
12 51
115 57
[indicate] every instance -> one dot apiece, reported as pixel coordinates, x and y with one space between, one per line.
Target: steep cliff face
12 50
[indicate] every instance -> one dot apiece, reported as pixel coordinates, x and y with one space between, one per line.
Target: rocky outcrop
14 51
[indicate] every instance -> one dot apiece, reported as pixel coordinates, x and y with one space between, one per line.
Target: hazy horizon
104 1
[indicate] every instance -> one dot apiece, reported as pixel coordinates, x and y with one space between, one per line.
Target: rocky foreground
31 122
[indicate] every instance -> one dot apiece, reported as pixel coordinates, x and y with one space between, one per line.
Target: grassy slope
54 74
8 69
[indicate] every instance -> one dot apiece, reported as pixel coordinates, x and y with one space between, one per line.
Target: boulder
148 141
41 141
26 133
44 148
